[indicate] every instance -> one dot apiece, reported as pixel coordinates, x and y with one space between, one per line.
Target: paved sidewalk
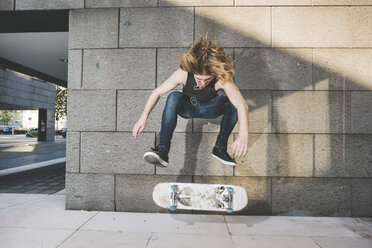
44 180
33 220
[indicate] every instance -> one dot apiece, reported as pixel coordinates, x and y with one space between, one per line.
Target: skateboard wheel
174 187
229 210
172 208
230 189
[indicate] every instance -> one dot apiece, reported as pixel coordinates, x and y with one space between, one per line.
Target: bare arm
172 82
240 145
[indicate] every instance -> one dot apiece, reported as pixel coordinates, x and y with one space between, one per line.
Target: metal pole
13 123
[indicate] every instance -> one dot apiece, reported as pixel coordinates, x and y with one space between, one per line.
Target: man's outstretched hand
240 147
138 127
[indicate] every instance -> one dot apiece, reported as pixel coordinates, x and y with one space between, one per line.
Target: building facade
21 92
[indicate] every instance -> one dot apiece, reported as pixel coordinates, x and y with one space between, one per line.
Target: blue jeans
179 104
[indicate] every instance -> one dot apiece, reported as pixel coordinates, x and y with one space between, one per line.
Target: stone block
155 27
133 193
361 112
26 102
9 83
168 61
311 112
362 200
7 5
191 154
321 27
51 105
258 191
289 155
120 3
75 63
38 98
343 155
273 69
329 156
342 2
11 92
119 69
115 153
311 196
50 137
51 94
259 114
93 28
8 99
358 149
50 119
342 69
11 78
90 192
73 152
235 27
49 4
272 2
196 2
91 110
131 104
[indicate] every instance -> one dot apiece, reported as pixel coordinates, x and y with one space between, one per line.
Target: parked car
7 130
17 130
20 131
62 131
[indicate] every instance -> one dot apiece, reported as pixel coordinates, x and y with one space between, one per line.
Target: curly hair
208 58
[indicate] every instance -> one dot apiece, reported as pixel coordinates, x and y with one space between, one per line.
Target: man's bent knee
175 96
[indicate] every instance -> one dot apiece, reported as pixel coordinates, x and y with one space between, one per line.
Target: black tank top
202 95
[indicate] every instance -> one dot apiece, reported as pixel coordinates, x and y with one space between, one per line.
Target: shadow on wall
296 98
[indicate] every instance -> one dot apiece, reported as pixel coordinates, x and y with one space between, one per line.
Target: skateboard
194 196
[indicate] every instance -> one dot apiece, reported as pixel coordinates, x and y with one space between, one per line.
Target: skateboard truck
225 199
174 196
229 199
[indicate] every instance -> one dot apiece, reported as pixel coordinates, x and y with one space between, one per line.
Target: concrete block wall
22 90
302 66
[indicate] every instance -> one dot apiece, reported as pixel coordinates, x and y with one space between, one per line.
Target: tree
7 116
61 103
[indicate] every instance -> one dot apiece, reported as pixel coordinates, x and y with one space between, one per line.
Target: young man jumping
204 69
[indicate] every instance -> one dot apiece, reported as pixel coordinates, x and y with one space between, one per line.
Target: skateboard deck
193 196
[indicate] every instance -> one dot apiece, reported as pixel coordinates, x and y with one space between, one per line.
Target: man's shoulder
182 75
221 85
181 71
